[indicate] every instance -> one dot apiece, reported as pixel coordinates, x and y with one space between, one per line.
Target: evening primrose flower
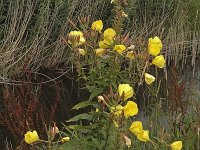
117 110
159 61
65 139
109 33
97 26
143 136
154 46
81 51
136 128
177 145
130 109
76 38
119 48
31 137
125 90
130 55
149 78
106 43
99 51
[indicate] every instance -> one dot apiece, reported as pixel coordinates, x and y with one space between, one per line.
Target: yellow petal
144 136
109 33
120 48
31 137
154 46
130 55
130 109
81 51
177 145
125 91
149 78
76 38
97 25
159 61
99 51
136 127
117 110
65 139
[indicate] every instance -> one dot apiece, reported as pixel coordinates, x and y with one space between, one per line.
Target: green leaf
83 116
95 92
84 104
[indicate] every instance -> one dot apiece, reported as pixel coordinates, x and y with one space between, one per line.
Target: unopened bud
127 140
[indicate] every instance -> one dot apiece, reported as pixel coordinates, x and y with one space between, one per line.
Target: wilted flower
154 46
97 25
130 55
100 98
54 131
125 90
159 61
76 38
65 139
136 127
81 51
119 48
177 145
99 51
130 109
31 137
143 136
128 141
117 110
149 78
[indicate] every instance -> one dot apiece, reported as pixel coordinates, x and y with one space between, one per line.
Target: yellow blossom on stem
143 136
125 90
117 110
109 33
154 46
130 55
81 51
31 137
65 139
76 38
106 43
177 145
130 109
149 78
97 26
136 128
159 61
99 51
120 48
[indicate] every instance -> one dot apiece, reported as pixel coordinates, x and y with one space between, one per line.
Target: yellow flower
130 109
99 51
97 26
119 48
109 33
176 145
143 136
76 38
31 137
81 51
149 78
125 90
136 127
159 61
106 43
130 55
117 110
65 139
154 46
